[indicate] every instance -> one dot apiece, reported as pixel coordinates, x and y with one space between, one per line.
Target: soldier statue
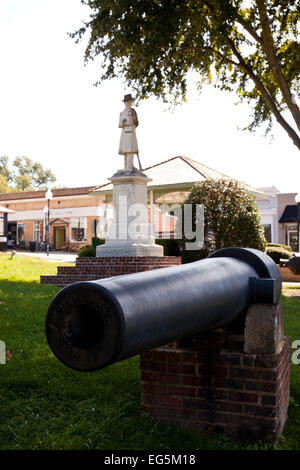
128 122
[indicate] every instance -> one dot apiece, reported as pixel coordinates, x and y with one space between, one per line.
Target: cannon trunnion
90 325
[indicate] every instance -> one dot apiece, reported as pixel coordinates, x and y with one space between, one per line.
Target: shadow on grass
45 405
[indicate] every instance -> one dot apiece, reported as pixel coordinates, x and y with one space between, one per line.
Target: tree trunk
269 49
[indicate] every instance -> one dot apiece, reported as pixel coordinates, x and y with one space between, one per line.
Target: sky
52 112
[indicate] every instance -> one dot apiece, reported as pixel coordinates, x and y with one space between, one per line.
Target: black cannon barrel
92 324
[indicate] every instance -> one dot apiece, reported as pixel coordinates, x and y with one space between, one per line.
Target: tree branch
212 50
247 27
266 95
270 52
258 83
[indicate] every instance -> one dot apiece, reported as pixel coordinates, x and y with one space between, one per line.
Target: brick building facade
72 212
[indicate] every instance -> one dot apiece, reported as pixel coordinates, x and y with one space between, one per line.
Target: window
78 229
1 225
21 233
37 230
268 232
292 237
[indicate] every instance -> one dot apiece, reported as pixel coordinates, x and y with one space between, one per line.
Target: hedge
86 250
277 252
278 245
173 247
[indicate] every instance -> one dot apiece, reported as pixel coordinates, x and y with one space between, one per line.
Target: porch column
152 212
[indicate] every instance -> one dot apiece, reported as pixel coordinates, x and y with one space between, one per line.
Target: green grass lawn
45 405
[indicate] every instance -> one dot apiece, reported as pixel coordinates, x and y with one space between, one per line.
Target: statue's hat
128 98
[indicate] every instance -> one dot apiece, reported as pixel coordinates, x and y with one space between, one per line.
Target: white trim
88 211
267 211
152 211
38 199
34 231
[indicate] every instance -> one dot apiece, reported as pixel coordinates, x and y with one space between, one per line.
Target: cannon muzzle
90 325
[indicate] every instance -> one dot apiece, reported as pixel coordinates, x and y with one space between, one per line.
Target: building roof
59 192
290 214
271 191
181 172
176 172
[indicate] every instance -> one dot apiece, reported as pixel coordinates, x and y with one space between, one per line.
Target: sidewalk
64 257
54 256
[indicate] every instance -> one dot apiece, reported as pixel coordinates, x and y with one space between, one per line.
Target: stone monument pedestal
135 250
130 246
130 232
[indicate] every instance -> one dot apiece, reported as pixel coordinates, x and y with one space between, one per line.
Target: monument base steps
89 269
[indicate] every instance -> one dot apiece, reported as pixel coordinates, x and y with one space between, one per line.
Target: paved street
55 256
64 257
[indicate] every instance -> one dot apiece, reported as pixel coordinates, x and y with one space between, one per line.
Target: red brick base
89 269
287 275
207 387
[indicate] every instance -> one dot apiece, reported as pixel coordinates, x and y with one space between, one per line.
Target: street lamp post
45 210
48 196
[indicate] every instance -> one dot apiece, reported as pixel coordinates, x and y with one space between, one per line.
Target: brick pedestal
89 269
287 275
211 386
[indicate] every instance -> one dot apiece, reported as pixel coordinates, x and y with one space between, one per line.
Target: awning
6 211
291 214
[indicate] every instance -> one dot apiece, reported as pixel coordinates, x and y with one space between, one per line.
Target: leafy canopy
252 47
4 188
27 175
231 215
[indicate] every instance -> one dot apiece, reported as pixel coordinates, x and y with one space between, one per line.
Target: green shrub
276 253
86 250
171 246
175 247
231 218
189 256
285 247
96 241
